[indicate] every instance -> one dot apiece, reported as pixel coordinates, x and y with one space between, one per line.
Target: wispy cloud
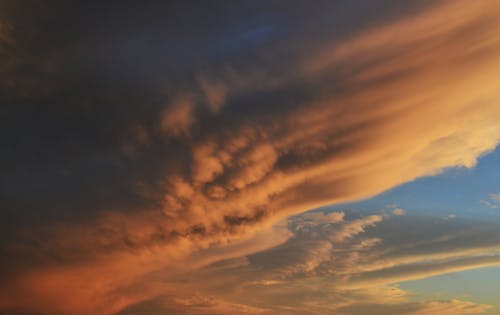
313 273
493 202
495 197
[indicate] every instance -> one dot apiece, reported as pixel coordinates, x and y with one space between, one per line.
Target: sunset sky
278 157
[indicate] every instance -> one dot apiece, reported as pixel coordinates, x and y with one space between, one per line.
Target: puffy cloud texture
145 141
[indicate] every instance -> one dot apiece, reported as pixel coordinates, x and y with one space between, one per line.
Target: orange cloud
310 274
178 117
341 122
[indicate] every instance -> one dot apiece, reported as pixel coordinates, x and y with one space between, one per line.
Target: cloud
494 201
495 197
178 117
489 204
395 210
426 308
354 228
234 136
311 274
399 211
215 93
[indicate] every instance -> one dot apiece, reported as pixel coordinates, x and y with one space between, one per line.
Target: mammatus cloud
112 180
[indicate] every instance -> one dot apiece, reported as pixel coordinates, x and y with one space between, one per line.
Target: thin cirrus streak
225 155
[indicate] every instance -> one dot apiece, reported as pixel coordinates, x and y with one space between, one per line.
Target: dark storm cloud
85 84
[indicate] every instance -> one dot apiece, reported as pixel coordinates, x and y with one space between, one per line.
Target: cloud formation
399 211
136 142
493 202
315 273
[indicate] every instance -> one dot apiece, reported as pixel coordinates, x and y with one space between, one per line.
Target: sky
469 193
249 157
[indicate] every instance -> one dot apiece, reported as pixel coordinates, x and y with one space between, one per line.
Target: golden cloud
341 122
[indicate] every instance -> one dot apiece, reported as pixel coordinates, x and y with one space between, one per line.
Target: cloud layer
138 144
347 265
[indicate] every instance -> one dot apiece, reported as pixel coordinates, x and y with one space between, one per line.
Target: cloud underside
154 187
